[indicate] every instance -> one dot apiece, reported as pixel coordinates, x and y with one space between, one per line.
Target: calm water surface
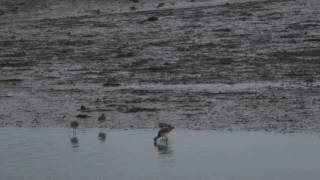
49 153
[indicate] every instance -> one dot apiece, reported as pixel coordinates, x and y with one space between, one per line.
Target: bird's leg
166 139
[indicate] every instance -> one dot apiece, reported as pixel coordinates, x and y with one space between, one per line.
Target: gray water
47 153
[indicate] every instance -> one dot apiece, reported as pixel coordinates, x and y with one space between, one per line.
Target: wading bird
162 133
74 125
102 135
102 118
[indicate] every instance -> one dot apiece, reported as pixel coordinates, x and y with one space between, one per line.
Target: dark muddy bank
141 72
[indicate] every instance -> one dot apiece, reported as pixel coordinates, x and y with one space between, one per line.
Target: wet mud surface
237 65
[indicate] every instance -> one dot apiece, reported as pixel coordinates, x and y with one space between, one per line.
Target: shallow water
47 153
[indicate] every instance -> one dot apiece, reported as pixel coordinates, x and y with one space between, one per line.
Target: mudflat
224 65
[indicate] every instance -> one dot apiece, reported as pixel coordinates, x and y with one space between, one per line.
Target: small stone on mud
83 116
108 84
111 82
153 18
35 122
83 108
97 11
19 123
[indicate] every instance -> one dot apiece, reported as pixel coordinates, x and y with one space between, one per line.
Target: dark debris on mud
49 67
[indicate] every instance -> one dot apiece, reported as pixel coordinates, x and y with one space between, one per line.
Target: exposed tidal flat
219 65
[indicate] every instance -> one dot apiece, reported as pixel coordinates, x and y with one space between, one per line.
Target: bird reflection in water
102 136
163 147
74 142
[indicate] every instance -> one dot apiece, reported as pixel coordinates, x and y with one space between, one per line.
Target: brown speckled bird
162 133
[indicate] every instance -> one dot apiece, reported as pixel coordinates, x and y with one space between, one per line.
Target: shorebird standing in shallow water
102 135
74 125
102 118
162 133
